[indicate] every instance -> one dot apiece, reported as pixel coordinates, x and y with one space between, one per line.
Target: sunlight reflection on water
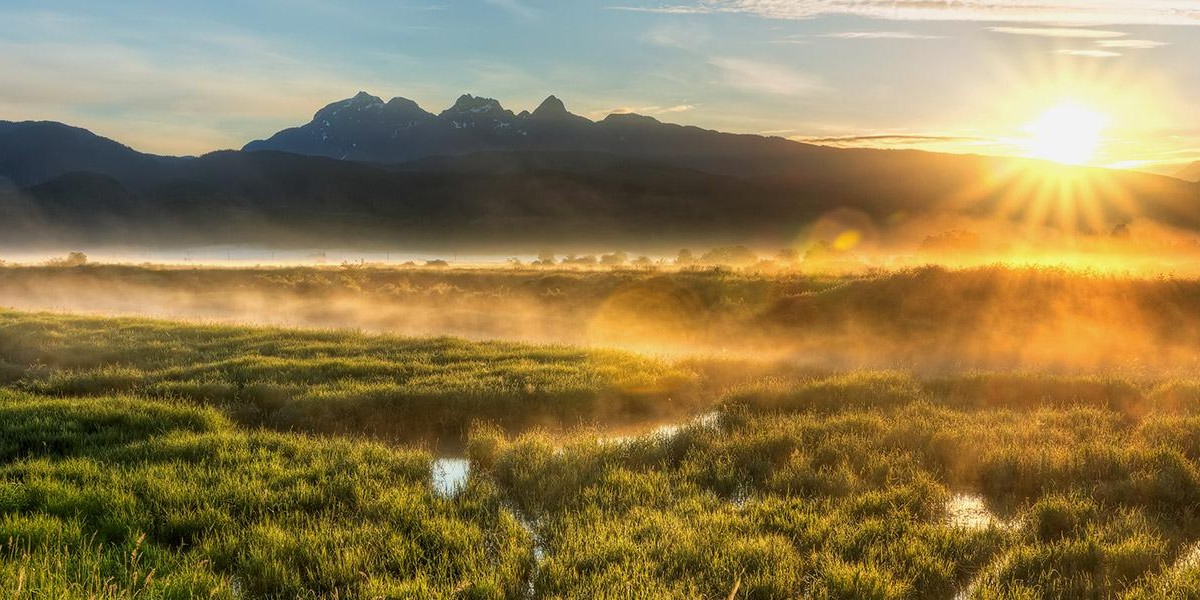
450 475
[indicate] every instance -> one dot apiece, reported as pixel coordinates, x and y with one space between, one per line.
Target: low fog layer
928 319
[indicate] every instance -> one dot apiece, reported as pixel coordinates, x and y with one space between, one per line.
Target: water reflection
450 475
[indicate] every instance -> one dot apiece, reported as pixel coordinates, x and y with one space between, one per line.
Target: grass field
156 459
412 389
114 497
874 485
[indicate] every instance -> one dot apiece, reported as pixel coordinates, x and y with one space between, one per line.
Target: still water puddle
1189 559
970 511
667 430
450 475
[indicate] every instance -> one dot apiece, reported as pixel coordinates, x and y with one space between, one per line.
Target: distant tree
437 262
685 258
955 240
514 262
1121 231
820 251
73 259
544 259
734 256
643 262
586 260
787 256
616 259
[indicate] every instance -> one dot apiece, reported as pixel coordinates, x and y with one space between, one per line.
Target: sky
187 78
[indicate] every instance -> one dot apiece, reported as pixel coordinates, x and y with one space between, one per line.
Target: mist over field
537 300
931 319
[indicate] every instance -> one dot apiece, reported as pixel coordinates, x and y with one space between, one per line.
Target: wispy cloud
1090 53
685 36
756 76
1105 40
218 90
883 139
1122 12
669 10
1059 32
515 8
642 110
1131 44
880 35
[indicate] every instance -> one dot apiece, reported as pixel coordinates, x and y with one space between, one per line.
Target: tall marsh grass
124 498
408 388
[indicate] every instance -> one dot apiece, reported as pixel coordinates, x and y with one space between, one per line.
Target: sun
1068 133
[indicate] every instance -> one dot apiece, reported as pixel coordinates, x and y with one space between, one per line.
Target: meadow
150 458
340 382
926 319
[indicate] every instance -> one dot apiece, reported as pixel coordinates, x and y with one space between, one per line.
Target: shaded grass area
392 387
843 488
124 498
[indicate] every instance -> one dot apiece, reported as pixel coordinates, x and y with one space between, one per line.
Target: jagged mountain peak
551 106
364 128
475 105
359 103
1190 173
553 111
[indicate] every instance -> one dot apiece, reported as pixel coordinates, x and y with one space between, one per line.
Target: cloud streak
1059 32
1120 12
1131 44
642 110
884 139
1090 53
515 8
759 77
677 35
225 90
880 35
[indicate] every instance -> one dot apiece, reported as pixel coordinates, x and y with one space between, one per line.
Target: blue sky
174 77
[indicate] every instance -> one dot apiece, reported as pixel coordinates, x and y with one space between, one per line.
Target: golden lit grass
841 488
337 381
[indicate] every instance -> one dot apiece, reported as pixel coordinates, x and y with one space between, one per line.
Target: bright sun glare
1068 133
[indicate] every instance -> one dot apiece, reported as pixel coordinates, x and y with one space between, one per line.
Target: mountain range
1190 172
374 173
